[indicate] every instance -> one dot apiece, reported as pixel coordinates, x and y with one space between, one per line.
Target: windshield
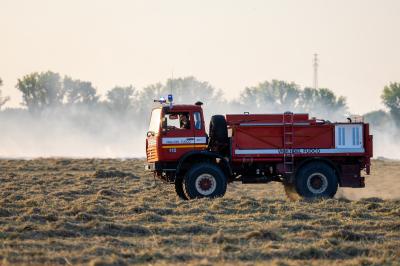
155 120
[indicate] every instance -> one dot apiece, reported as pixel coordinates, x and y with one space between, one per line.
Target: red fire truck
309 156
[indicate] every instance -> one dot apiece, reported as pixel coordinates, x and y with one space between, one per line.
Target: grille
152 154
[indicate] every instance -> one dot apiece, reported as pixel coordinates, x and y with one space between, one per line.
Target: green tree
391 98
41 91
377 118
187 90
276 95
5 99
121 99
280 96
322 103
145 101
150 93
79 92
191 90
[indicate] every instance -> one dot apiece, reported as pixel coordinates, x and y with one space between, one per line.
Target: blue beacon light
170 100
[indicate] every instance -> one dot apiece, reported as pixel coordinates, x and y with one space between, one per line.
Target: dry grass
109 212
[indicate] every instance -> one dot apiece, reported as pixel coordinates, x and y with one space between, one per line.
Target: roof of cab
182 107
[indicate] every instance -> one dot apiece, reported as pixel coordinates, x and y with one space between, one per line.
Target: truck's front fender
199 156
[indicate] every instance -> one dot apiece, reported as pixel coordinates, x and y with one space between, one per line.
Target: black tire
179 188
204 180
314 180
218 131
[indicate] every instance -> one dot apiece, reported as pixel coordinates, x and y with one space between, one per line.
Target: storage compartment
348 136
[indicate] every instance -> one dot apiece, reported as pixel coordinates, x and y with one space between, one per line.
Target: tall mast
315 71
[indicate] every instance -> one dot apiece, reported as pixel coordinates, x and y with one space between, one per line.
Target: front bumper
150 167
160 166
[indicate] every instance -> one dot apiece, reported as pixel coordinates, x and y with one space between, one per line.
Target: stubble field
110 212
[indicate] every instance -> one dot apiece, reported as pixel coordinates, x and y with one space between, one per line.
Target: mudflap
351 176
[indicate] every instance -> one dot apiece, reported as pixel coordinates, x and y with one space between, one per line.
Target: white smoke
97 132
65 134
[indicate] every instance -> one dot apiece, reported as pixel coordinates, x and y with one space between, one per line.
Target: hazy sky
231 44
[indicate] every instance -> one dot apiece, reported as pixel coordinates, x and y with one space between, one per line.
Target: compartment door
349 136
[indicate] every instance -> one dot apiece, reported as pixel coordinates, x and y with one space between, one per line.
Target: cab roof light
162 100
170 100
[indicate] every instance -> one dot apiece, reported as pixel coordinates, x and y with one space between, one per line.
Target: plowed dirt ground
110 212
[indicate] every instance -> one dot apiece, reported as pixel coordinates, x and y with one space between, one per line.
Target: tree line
50 93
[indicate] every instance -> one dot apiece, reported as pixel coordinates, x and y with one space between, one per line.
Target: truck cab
173 132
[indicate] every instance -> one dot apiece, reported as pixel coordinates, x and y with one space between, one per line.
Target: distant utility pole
172 81
316 71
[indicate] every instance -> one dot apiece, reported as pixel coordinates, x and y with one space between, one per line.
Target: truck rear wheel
204 180
314 180
179 188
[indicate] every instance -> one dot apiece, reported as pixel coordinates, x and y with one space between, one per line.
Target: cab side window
197 120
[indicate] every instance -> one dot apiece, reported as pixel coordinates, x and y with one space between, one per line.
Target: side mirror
150 133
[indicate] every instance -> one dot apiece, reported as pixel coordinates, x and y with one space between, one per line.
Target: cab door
177 137
200 136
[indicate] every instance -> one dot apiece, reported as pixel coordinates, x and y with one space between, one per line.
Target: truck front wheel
314 180
179 188
204 180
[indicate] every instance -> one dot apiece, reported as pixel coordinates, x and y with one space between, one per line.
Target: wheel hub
317 183
206 184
